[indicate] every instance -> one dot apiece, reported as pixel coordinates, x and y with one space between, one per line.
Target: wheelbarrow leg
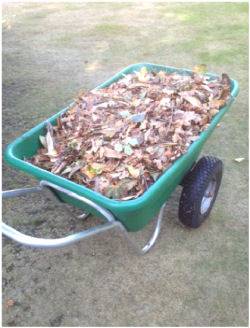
153 238
83 216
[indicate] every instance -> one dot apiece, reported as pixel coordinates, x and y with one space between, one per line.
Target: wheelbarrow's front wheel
199 192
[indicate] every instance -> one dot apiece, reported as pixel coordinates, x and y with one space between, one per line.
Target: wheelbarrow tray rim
11 157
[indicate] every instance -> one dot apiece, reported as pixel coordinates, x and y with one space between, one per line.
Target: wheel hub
208 196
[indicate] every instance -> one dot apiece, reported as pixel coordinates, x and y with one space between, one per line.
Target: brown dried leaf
194 101
9 303
217 103
213 111
111 153
134 172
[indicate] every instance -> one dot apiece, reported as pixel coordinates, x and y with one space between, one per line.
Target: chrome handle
71 239
57 242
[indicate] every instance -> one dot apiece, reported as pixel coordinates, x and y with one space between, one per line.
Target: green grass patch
220 56
109 5
204 12
99 31
33 17
109 29
73 6
65 39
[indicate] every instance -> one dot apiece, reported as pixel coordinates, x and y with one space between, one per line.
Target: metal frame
111 222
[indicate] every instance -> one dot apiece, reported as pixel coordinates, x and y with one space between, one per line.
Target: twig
171 120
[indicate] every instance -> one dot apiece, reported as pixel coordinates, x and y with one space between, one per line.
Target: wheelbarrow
200 181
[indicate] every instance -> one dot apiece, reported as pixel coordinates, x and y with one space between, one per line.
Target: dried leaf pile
118 140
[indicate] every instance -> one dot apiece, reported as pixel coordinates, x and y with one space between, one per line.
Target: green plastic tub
133 214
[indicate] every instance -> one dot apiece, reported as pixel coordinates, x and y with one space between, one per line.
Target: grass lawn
191 278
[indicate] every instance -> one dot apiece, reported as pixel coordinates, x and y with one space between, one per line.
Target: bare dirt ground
191 277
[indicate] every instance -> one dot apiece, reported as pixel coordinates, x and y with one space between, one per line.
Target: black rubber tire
207 170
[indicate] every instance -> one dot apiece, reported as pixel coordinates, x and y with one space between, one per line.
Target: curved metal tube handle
71 239
56 242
